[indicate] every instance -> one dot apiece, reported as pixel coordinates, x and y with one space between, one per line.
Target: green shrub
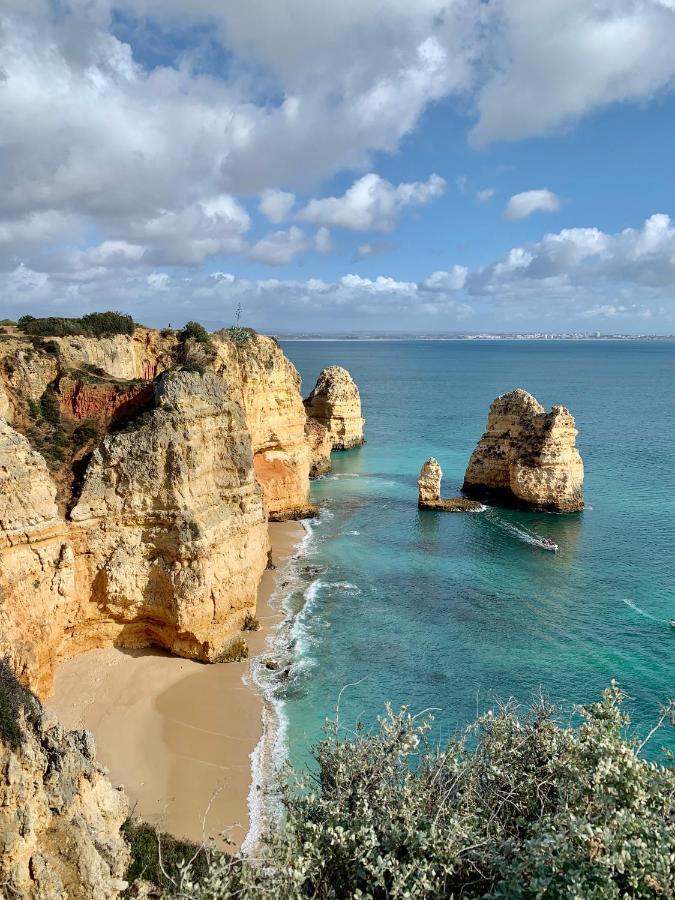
49 407
7 322
195 331
144 841
14 698
250 622
92 325
86 431
101 323
239 335
235 650
518 808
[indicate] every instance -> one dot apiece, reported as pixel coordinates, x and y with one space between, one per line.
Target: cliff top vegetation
96 324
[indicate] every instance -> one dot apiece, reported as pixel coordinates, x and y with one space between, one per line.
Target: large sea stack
527 457
336 404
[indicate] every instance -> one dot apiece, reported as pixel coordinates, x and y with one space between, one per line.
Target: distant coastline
660 338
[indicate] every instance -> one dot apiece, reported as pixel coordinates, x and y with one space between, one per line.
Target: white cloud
485 195
158 281
276 205
280 247
576 278
371 203
454 280
554 61
371 248
461 182
323 243
520 206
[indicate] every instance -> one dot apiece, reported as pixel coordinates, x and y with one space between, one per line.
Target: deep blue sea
454 611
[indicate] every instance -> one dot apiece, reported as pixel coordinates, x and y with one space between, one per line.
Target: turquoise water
453 611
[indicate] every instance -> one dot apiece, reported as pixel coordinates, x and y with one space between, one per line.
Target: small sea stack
527 457
335 403
429 484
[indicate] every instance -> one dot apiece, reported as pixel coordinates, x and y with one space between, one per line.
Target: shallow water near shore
453 611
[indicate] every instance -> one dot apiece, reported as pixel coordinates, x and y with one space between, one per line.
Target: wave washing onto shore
285 654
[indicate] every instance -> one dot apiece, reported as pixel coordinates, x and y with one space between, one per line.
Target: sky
361 166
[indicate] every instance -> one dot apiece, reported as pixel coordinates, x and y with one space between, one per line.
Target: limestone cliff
527 457
269 386
429 488
335 403
320 446
165 545
60 817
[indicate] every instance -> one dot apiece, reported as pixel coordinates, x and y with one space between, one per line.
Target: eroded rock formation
335 403
269 386
165 545
60 817
429 487
527 457
320 446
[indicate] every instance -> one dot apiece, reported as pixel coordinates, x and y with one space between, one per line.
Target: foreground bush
520 807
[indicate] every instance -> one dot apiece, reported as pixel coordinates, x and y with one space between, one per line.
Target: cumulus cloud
276 205
372 203
520 206
454 280
484 195
581 275
372 248
554 61
280 247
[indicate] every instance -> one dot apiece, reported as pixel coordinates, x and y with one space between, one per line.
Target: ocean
454 612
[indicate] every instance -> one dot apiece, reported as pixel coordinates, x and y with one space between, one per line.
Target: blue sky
454 166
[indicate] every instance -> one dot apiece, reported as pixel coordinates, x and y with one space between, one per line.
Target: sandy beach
176 733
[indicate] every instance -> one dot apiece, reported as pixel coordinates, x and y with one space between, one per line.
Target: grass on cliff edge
518 807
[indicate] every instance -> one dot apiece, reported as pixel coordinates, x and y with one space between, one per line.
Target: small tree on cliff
520 807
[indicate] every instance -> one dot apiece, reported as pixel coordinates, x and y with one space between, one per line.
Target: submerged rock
527 457
429 484
336 404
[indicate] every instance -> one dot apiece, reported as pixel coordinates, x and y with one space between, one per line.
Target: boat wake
637 609
524 534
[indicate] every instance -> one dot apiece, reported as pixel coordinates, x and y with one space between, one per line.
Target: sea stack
336 404
527 457
429 484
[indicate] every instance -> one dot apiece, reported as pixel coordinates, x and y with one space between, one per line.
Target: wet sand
176 733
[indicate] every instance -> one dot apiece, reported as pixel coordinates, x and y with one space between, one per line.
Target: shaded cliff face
336 404
60 817
320 446
527 457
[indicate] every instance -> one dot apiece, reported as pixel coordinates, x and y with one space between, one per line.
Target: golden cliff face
527 457
60 817
269 387
165 545
335 403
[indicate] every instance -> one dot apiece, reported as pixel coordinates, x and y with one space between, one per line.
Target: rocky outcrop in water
527 457
336 404
429 487
60 817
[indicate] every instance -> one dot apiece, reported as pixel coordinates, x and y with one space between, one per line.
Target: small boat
672 623
548 544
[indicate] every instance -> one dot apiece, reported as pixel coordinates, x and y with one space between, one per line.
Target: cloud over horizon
146 141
